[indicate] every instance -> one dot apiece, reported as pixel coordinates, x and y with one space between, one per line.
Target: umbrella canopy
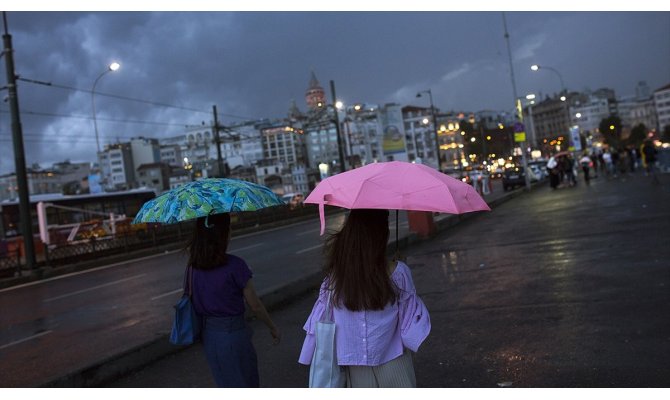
204 197
396 185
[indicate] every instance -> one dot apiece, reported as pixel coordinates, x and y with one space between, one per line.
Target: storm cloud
176 65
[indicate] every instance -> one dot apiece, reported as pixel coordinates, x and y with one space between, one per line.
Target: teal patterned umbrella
204 197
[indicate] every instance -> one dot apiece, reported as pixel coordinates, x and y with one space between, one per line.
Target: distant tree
637 135
610 128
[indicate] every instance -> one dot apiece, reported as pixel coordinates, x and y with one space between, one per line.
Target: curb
137 357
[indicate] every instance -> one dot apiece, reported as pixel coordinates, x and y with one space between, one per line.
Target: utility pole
25 218
483 139
337 128
517 105
217 139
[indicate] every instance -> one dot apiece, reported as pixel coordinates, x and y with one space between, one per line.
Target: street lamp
432 112
340 151
531 98
112 67
536 67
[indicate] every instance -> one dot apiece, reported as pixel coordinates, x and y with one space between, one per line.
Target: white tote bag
324 372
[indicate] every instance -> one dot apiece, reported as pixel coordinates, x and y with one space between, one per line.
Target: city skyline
192 61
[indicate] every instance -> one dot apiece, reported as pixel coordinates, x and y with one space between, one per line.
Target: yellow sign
519 136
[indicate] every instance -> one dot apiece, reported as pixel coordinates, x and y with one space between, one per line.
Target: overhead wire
49 84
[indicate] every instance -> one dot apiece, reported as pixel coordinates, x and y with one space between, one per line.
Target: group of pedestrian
561 168
610 162
379 317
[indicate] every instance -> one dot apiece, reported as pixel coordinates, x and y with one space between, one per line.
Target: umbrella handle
322 217
207 225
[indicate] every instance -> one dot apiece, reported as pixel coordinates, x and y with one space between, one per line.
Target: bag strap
328 313
188 279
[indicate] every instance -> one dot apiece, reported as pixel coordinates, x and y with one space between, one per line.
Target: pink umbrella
396 185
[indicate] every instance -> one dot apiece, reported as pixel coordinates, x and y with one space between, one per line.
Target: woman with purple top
379 318
221 284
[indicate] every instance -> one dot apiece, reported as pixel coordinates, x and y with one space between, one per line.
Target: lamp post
340 151
531 98
536 67
112 67
432 112
518 103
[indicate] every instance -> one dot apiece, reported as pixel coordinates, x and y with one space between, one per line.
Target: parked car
512 177
497 173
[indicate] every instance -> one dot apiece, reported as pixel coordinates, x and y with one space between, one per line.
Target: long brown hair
356 262
208 246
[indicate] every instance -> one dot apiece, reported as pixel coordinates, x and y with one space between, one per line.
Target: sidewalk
559 288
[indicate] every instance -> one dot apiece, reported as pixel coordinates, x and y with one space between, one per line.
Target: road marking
248 247
88 270
92 288
4 346
166 294
308 249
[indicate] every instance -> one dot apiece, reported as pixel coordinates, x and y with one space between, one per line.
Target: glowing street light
111 68
536 67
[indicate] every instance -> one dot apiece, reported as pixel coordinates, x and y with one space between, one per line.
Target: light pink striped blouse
373 337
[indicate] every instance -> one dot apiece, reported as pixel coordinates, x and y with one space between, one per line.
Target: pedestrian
586 164
568 170
221 284
649 153
607 159
553 168
623 160
614 155
595 159
632 157
379 318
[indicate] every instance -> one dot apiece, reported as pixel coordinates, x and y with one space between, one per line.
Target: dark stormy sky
252 64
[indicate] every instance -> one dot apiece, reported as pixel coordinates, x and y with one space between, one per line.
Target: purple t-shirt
218 292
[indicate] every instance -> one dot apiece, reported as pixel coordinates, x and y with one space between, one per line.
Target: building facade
662 105
116 167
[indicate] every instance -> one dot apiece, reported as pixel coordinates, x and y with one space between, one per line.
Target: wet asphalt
552 289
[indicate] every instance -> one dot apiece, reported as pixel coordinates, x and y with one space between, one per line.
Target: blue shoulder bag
186 325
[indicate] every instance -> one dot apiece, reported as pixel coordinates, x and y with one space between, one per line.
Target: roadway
52 327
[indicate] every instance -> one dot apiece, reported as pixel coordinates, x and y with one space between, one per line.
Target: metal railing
149 237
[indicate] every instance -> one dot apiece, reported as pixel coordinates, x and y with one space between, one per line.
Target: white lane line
248 247
166 294
308 249
92 288
88 270
4 346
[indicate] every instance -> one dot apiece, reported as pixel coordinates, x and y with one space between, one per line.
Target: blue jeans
230 353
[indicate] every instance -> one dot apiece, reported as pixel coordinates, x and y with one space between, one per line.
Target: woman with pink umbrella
378 315
379 318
